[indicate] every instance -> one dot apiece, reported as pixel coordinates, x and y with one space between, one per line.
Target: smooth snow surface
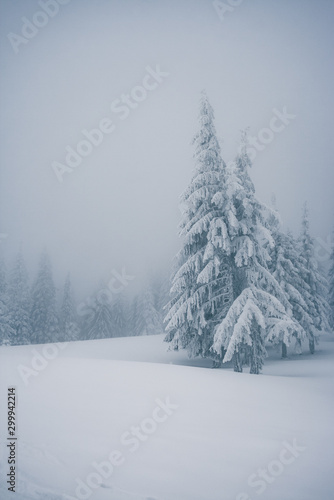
225 428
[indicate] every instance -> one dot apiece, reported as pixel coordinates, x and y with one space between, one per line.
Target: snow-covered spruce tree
315 284
119 315
127 308
201 290
99 324
145 318
19 295
288 268
260 310
331 288
43 315
160 286
68 319
135 319
7 334
151 322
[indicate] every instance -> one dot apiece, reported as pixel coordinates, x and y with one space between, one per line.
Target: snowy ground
82 405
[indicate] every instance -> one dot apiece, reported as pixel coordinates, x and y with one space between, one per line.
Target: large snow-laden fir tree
68 320
260 311
201 289
315 284
44 318
19 294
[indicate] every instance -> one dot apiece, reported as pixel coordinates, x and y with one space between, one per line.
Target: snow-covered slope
203 434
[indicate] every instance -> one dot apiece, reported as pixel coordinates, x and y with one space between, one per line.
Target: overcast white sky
119 208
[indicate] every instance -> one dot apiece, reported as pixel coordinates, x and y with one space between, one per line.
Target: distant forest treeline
33 313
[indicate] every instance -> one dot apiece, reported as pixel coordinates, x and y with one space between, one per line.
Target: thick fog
119 208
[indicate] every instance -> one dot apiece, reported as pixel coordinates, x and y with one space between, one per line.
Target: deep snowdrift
173 432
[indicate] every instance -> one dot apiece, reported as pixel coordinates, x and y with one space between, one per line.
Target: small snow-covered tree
201 290
288 268
145 317
331 288
118 308
135 318
160 285
151 323
260 310
127 315
316 285
43 315
19 294
99 323
7 333
68 319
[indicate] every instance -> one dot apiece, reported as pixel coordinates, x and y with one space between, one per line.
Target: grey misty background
119 208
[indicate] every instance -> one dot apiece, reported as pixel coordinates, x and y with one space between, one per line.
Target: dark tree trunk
284 350
312 346
217 360
217 363
247 356
254 368
258 350
237 362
